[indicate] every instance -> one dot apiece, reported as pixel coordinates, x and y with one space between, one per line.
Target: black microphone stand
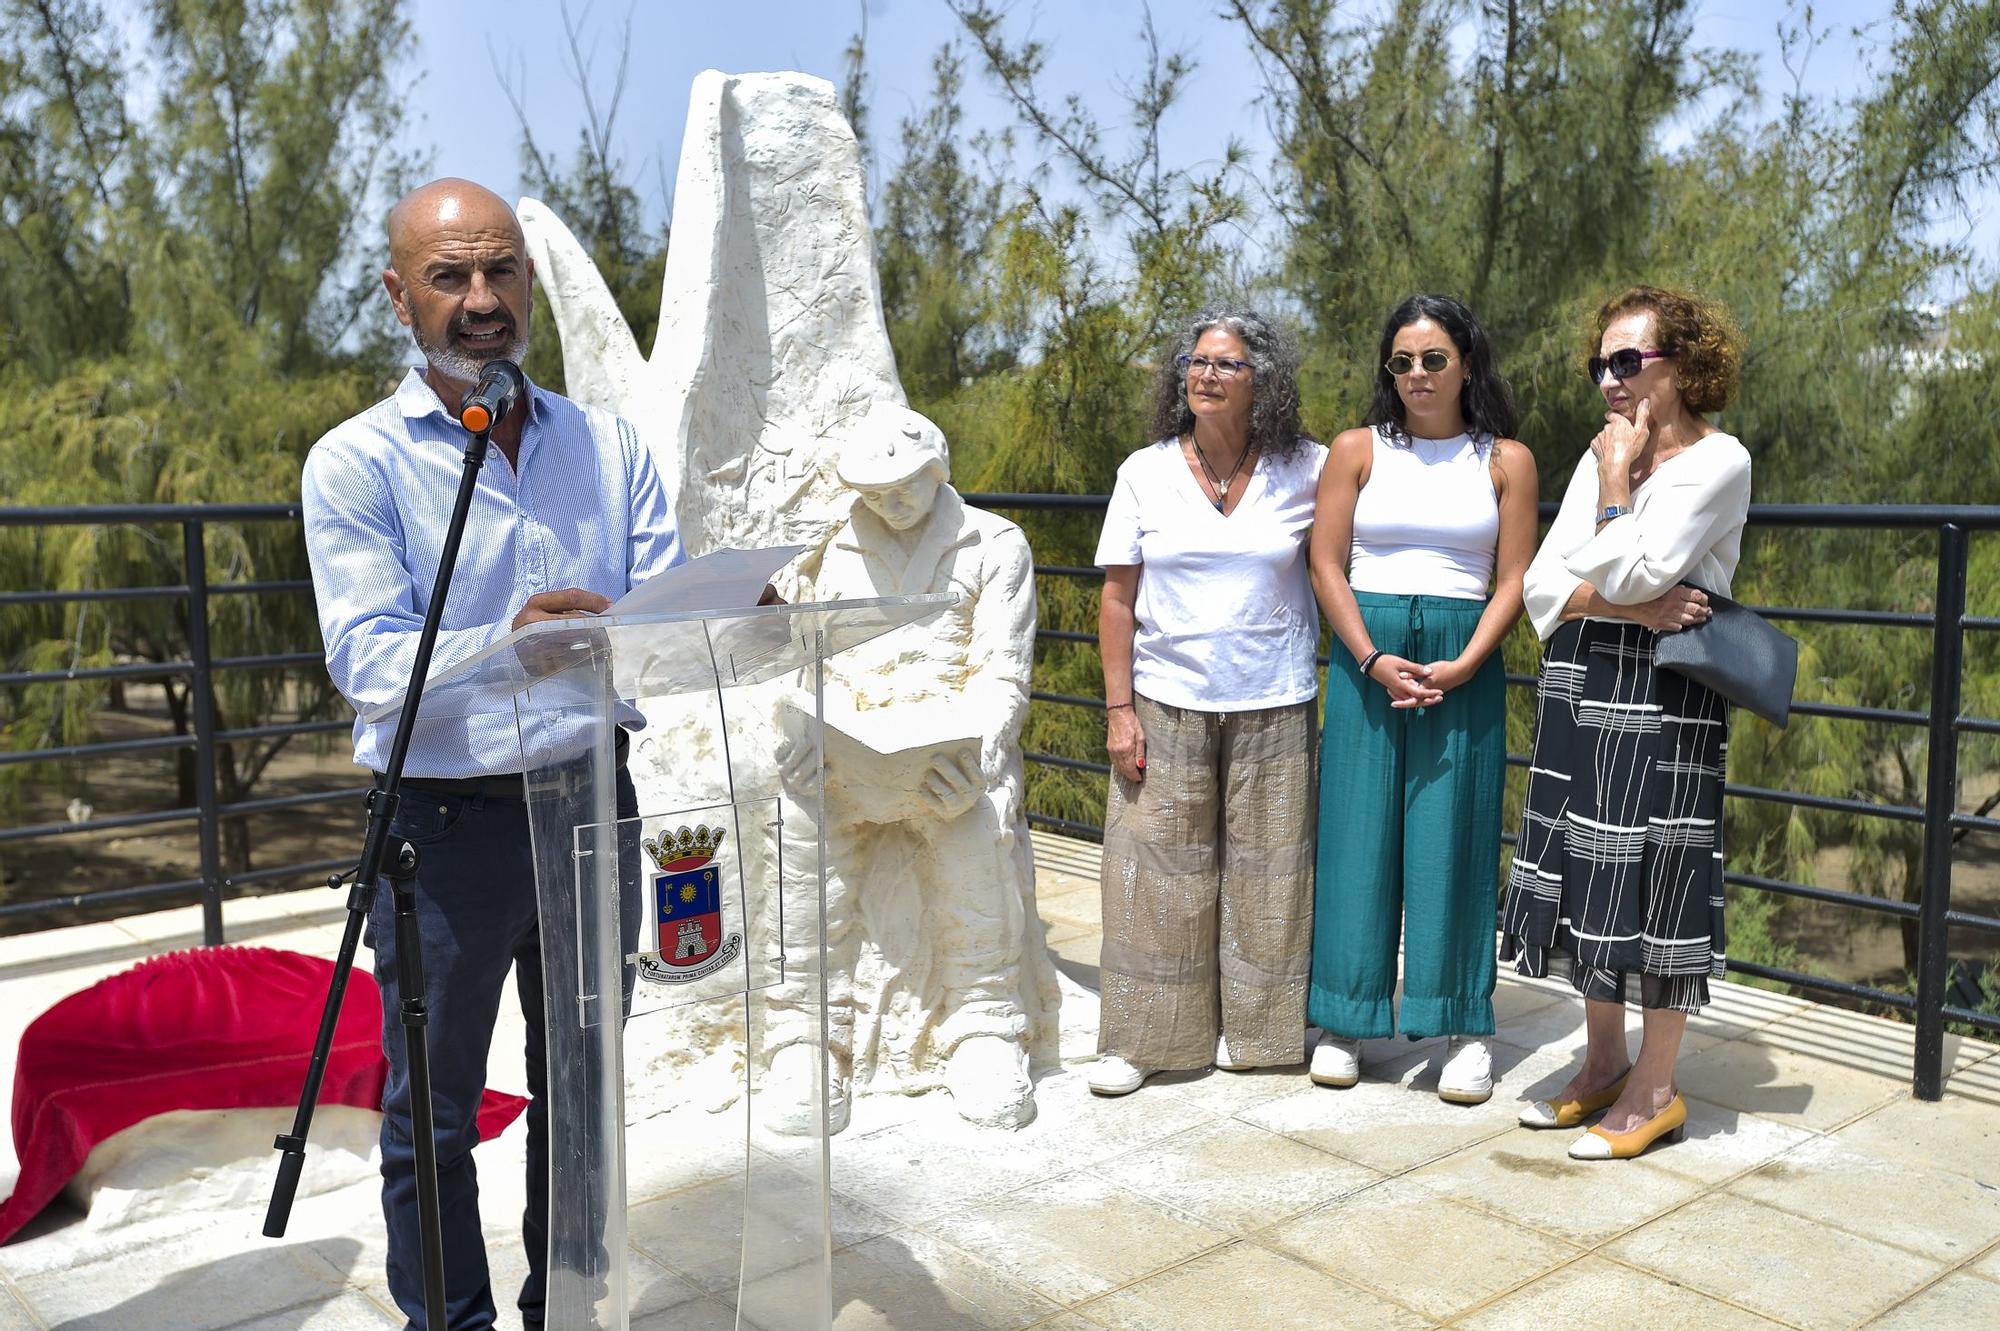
374 865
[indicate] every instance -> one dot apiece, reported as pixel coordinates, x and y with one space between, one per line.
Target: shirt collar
418 400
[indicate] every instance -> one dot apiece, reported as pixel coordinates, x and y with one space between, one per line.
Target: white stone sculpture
772 357
930 877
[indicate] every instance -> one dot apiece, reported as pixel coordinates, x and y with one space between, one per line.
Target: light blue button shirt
583 507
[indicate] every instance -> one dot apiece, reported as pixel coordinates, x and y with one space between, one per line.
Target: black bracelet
1369 660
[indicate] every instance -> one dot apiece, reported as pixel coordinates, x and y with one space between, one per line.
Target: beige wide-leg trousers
1208 890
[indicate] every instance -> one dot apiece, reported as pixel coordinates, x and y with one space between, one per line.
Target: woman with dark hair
1207 633
1425 523
1619 866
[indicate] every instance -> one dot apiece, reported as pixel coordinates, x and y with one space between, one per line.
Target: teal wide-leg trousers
1409 835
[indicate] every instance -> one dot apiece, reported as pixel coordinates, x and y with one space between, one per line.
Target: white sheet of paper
723 579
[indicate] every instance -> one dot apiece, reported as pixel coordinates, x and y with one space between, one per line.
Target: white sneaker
1336 1062
1467 1078
1224 1061
1112 1075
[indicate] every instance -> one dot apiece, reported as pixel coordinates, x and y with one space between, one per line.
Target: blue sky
470 129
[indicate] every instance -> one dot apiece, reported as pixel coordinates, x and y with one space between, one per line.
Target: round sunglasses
1623 363
1403 362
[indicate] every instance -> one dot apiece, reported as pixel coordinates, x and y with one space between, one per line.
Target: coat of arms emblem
687 908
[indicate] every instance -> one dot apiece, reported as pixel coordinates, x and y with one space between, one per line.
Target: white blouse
1686 525
1226 620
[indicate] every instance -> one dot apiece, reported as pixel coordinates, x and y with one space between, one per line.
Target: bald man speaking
569 517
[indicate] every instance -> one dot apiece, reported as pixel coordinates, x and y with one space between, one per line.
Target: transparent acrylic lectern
704 919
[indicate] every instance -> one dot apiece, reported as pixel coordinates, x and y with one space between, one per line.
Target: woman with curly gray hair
1207 630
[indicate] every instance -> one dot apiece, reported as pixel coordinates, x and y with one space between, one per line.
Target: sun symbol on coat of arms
687 891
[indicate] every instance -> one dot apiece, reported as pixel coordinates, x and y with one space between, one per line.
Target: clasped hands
1412 684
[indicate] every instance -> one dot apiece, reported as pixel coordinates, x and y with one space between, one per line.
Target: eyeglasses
1623 363
1223 367
1403 362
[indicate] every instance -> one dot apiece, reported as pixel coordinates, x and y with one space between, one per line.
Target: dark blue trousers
475 894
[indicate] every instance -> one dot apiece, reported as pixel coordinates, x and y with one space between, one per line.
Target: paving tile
177 1287
1528 1177
1378 1124
1081 904
901 1282
1723 1142
1237 1177
1080 1128
1989 1265
14 1314
699 1231
1244 1284
1775 1263
1844 1039
100 946
1037 1235
350 1311
1068 1322
1959 1133
701 1315
1594 1292
916 1170
1957 1300
1369 1240
1792 1087
1930 1212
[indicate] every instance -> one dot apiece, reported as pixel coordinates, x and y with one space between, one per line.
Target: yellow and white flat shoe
1670 1124
1569 1113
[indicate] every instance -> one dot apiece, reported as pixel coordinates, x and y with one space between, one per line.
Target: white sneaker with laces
1112 1075
1224 1061
1335 1062
1467 1077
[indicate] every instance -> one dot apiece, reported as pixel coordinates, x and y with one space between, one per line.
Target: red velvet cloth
215 1028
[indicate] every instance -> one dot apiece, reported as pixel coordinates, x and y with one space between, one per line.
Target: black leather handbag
1737 654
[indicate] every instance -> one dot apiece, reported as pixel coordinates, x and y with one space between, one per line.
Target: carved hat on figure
891 445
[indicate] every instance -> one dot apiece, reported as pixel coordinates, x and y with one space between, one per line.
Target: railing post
1940 799
201 700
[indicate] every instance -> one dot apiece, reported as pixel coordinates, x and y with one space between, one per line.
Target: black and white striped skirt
1618 870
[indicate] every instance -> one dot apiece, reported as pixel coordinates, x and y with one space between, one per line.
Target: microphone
500 386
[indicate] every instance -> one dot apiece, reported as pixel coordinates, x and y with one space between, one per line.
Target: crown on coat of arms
686 848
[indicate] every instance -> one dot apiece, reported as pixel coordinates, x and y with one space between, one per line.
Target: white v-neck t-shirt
1226 620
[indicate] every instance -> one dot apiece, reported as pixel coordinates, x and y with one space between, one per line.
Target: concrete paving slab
1244 1285
1774 1263
907 1280
1723 1142
1378 1124
1081 1128
1528 1178
698 1232
1236 1177
14 1314
1076 1236
1387 1240
181 1285
1785 1084
351 1311
1933 1213
1596 1292
923 1168
1957 1300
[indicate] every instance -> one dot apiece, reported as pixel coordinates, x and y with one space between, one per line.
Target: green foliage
593 198
185 318
1579 146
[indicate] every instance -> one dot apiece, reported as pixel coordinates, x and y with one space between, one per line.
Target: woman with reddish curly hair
1618 870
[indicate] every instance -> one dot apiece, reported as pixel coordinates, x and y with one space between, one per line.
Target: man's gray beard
462 367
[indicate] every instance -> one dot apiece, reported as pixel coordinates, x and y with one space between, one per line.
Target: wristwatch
1611 511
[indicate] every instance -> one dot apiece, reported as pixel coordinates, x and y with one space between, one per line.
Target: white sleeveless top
1427 522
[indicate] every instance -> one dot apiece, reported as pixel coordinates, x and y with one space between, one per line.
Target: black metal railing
199 669
1939 817
1943 720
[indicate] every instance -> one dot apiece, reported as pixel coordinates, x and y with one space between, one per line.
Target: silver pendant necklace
1221 486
